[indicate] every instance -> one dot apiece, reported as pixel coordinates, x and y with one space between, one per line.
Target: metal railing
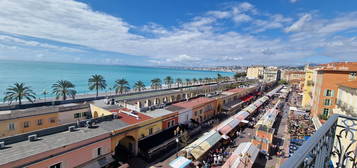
333 145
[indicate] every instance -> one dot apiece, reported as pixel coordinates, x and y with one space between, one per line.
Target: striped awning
203 144
244 152
180 162
242 115
229 126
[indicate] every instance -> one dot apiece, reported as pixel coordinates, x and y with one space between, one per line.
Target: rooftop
349 84
194 102
158 113
28 112
339 66
236 90
174 108
16 151
129 116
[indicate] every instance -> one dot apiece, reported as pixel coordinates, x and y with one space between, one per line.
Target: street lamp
177 134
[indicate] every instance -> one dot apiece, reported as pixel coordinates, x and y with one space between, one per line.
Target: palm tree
200 80
18 92
187 81
45 93
168 81
121 85
219 77
139 85
97 82
64 88
178 81
194 80
206 79
156 83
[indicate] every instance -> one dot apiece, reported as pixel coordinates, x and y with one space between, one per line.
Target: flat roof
124 116
349 84
145 95
194 102
24 149
33 111
157 113
174 108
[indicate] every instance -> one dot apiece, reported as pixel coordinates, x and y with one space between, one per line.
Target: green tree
45 93
64 89
156 83
18 92
179 82
97 82
194 80
239 75
188 81
200 80
168 81
207 79
139 86
121 85
219 77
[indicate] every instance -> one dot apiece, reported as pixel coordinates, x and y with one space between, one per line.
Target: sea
41 75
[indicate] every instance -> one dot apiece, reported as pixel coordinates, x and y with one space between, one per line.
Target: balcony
333 145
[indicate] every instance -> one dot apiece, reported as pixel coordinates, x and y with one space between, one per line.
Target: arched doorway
126 148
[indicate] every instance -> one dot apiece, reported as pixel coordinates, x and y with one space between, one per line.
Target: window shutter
332 93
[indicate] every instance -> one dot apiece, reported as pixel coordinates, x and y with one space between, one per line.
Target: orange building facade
326 86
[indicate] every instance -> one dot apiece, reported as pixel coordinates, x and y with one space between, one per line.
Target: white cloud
182 58
293 1
199 40
298 25
241 18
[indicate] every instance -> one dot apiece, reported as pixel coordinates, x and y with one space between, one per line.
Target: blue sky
180 32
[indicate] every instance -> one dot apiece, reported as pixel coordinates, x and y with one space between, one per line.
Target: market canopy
180 162
203 144
229 126
242 115
244 152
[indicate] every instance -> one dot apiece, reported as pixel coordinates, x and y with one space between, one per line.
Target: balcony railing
333 145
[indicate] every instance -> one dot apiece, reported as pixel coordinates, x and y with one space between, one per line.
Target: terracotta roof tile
194 102
350 84
128 118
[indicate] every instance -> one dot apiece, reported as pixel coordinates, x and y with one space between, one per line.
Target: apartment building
20 121
255 72
327 82
272 74
202 108
308 87
346 102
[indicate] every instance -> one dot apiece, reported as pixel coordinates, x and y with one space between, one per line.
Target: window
99 151
195 113
39 122
26 124
352 76
52 120
58 165
327 102
11 126
151 131
329 93
84 114
77 115
326 111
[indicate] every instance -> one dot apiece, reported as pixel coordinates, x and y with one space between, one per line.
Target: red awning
247 98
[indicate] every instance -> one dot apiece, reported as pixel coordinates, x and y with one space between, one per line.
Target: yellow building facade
308 88
19 125
255 72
